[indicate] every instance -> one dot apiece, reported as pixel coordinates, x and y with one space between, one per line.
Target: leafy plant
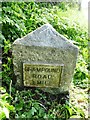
5 107
21 18
27 105
7 73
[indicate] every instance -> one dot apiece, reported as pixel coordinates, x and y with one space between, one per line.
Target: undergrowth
21 18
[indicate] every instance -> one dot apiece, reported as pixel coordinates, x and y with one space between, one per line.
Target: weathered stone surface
45 46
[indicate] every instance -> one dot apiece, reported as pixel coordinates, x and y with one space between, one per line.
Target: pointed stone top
45 35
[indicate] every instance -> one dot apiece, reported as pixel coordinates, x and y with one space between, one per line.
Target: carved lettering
27 68
38 76
41 82
36 69
49 76
41 75
33 82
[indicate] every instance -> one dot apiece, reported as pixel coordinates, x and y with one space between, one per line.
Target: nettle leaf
17 26
2 114
2 90
33 110
6 112
1 37
7 9
19 106
75 116
69 109
41 112
10 107
5 96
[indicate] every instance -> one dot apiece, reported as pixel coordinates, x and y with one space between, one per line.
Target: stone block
37 55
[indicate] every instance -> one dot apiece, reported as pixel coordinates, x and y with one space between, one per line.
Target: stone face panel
45 46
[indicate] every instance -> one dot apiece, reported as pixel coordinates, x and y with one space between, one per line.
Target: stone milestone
44 59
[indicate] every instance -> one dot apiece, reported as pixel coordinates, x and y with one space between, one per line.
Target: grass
79 99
